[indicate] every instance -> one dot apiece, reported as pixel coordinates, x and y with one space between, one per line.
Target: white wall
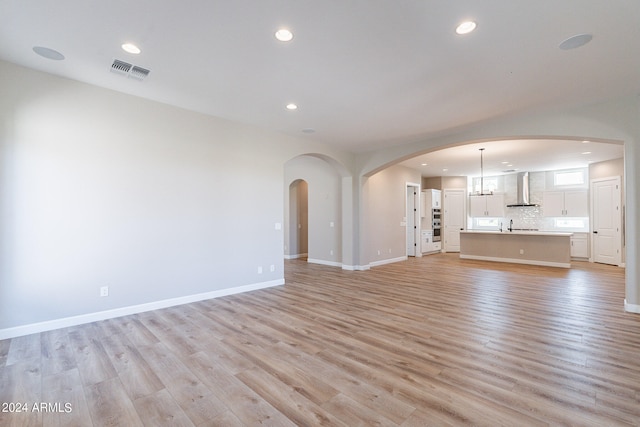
385 211
606 169
99 188
324 207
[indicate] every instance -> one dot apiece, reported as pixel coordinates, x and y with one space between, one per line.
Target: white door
605 208
454 218
413 202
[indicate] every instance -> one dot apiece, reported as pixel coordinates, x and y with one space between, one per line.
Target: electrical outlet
104 291
272 268
259 270
521 251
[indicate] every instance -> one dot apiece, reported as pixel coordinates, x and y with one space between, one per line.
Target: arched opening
548 152
298 241
318 211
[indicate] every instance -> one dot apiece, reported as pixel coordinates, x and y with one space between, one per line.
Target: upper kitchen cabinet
565 203
431 199
489 205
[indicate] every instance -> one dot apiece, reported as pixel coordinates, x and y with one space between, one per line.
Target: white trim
323 262
631 308
356 267
388 261
617 216
65 322
295 256
518 261
416 218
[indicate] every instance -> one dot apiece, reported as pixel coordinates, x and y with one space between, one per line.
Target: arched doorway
298 244
329 212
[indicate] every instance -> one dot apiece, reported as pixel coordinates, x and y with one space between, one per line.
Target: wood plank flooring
430 341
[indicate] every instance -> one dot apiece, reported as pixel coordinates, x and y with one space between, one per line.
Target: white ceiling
365 73
504 157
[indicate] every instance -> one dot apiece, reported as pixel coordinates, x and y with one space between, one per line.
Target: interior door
454 218
605 208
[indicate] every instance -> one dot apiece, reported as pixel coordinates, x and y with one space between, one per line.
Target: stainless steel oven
436 224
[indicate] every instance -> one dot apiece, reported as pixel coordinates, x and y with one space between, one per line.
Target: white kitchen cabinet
580 245
565 203
427 243
490 205
431 199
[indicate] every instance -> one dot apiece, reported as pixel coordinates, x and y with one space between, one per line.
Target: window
573 224
564 178
490 223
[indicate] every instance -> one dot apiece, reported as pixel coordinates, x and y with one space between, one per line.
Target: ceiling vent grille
120 67
138 73
129 70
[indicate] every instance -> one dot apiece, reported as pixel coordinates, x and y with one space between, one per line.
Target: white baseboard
125 311
295 256
388 261
631 308
517 261
356 267
323 262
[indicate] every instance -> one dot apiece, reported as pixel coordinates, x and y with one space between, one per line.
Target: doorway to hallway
299 220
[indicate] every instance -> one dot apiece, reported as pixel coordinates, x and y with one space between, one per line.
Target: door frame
445 206
619 236
298 220
412 219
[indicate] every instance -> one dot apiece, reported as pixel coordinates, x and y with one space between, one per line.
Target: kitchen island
521 247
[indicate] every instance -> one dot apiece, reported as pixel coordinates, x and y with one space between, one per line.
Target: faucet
501 226
510 225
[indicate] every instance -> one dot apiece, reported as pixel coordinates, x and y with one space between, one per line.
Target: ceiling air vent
129 70
138 73
121 67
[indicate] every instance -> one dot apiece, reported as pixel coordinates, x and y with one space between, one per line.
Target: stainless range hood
523 191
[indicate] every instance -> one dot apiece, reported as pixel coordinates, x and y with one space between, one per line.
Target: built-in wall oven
436 224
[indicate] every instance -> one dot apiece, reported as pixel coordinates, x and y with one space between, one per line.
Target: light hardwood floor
431 341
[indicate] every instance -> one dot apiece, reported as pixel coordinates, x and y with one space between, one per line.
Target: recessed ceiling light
587 152
424 164
576 41
586 142
445 169
292 107
284 35
504 163
131 48
466 27
45 52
